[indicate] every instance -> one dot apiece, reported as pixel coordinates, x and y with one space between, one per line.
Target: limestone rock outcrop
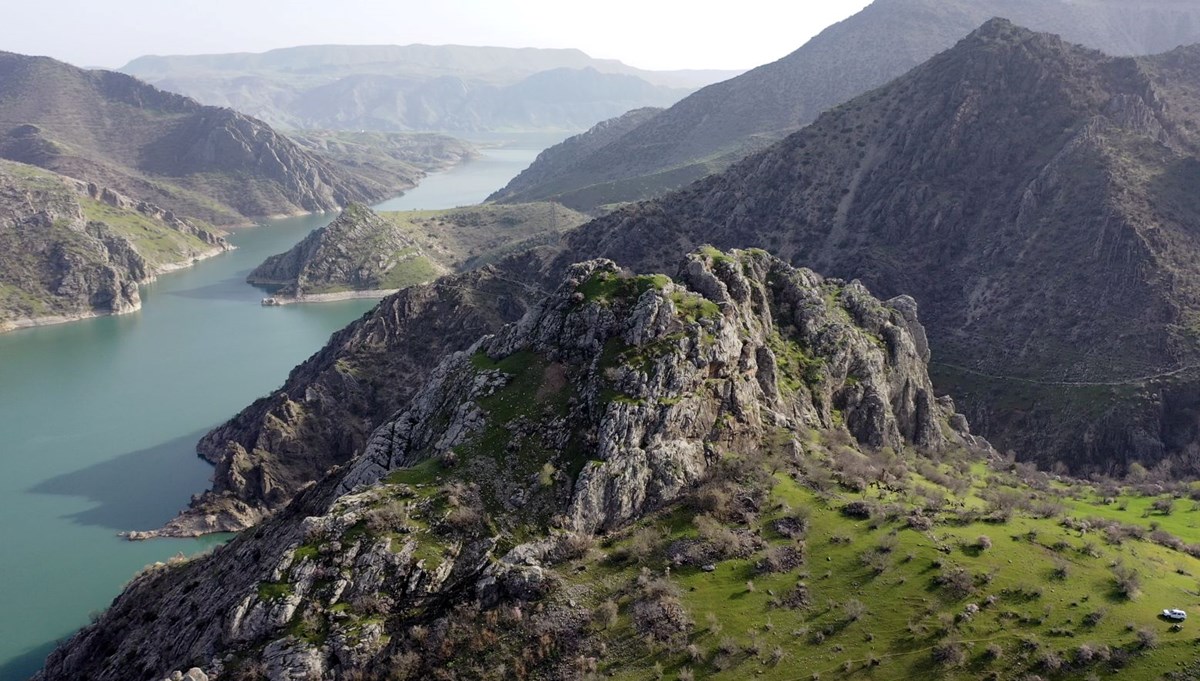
612 397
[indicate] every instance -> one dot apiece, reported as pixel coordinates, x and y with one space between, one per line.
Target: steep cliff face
70 250
115 131
614 397
330 403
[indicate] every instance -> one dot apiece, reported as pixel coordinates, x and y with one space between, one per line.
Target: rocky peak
658 377
616 395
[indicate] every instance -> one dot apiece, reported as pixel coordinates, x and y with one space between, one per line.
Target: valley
877 361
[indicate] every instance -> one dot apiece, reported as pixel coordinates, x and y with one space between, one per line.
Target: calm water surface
99 418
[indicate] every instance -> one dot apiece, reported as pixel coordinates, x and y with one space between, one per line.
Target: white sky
650 34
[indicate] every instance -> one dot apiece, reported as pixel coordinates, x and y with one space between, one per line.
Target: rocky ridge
724 122
1002 184
613 397
367 253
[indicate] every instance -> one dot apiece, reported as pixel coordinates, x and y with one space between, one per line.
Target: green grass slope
884 565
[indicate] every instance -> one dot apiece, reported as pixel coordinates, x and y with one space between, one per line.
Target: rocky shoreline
8 325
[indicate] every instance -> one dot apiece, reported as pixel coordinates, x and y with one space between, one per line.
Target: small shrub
1094 617
1165 505
606 614
1127 581
854 610
949 654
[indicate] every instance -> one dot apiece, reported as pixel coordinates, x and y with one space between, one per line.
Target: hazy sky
652 34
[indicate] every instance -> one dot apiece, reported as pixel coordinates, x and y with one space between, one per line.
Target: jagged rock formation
70 250
330 403
615 396
420 87
213 164
722 123
362 252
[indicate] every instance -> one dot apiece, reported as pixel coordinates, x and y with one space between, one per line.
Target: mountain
70 250
364 251
114 131
739 471
491 64
615 397
722 123
420 87
1030 195
555 165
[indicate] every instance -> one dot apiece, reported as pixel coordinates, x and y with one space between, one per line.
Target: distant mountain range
199 161
724 122
420 87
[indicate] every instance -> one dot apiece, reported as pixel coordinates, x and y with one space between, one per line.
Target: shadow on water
26 664
136 491
234 288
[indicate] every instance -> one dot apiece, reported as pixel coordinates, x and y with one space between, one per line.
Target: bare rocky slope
197 161
1028 193
724 122
70 250
614 397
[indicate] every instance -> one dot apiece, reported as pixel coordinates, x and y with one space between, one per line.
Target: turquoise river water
99 418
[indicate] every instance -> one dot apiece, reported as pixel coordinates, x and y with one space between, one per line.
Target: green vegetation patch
156 242
274 591
797 367
693 307
606 287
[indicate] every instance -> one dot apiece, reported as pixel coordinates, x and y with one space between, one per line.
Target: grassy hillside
884 565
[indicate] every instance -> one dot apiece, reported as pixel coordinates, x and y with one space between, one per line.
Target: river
99 418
